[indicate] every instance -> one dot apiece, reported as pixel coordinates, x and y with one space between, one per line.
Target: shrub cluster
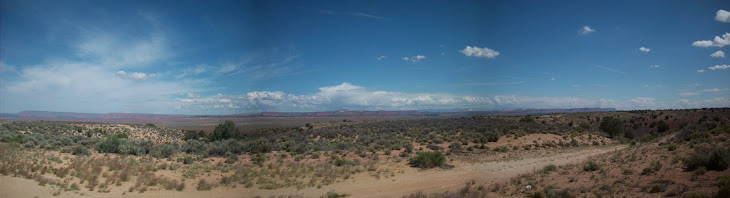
715 158
428 159
591 166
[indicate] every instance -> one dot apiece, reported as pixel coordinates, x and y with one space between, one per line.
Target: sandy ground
427 181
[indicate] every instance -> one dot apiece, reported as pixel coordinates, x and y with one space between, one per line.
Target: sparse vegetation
591 166
715 158
326 153
428 159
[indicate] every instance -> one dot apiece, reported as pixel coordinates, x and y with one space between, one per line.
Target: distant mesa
339 113
72 115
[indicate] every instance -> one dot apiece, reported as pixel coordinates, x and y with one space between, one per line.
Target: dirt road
411 181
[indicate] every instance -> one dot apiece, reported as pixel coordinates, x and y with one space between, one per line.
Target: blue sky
197 57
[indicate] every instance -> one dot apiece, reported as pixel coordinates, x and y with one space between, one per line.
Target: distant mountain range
339 113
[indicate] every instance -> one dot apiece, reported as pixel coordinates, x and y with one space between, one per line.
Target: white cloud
349 96
552 79
688 93
89 87
654 66
700 70
643 103
723 16
712 102
135 75
414 59
193 95
586 30
713 90
718 54
479 52
692 93
644 49
379 58
716 67
717 42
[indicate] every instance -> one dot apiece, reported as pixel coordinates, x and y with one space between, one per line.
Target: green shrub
723 183
538 194
224 131
428 159
694 194
612 126
164 150
258 159
232 159
187 160
109 145
718 159
591 166
343 162
492 137
672 147
130 148
549 168
653 167
203 185
334 195
527 118
193 146
656 188
80 150
662 126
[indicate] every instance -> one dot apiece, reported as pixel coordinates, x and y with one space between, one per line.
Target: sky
231 57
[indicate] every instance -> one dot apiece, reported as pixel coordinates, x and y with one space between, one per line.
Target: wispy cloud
644 49
654 66
719 67
692 93
351 96
350 13
135 75
688 93
476 84
609 69
481 52
414 59
586 30
380 58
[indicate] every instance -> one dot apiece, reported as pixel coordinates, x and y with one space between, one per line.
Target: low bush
591 166
203 185
538 194
334 195
549 168
653 167
716 158
428 159
188 160
343 162
723 183
164 150
672 147
80 150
